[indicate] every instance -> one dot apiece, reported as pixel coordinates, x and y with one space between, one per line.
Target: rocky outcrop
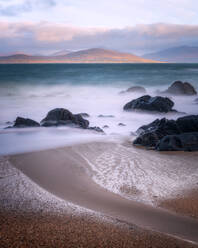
21 122
180 88
134 89
148 103
61 117
153 134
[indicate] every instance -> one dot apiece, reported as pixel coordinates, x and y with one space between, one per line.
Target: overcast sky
139 26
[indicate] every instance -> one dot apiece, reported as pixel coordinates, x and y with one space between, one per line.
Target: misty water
31 90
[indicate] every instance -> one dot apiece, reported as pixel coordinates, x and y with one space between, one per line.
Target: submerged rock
97 129
21 122
85 115
180 88
61 116
106 116
148 103
121 124
134 89
153 134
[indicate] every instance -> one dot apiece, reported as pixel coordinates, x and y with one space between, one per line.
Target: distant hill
95 55
182 54
61 52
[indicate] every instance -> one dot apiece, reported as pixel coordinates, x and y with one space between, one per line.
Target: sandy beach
63 178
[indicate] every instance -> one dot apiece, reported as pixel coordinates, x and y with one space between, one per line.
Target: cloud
44 37
111 13
13 8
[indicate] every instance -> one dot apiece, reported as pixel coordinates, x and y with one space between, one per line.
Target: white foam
141 175
35 101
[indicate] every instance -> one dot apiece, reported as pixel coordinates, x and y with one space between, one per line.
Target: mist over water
32 90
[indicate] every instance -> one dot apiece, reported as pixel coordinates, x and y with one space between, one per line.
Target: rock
106 116
188 123
135 89
61 116
150 135
180 88
148 103
149 139
97 129
21 122
163 126
85 115
196 101
105 126
179 142
121 124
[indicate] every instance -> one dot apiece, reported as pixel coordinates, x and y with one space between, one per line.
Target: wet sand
186 204
63 172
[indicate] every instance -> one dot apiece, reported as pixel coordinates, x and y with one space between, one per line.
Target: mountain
61 52
94 55
182 54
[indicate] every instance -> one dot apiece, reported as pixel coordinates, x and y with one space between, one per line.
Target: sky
136 26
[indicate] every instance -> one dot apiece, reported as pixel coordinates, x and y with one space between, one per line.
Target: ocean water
31 90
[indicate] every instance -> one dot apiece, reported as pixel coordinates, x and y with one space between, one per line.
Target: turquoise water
31 90
98 74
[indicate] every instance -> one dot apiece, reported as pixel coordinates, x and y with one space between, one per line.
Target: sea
32 90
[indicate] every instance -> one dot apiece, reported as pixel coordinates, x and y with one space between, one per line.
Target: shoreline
68 180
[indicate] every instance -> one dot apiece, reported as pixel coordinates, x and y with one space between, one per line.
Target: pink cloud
45 36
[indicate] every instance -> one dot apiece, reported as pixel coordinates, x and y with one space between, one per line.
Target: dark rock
179 142
148 139
180 88
97 129
85 115
163 126
148 103
106 116
23 122
196 101
121 125
135 89
188 123
105 126
150 135
61 116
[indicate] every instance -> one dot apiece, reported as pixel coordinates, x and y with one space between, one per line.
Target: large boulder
152 134
134 89
21 122
180 88
61 116
148 103
179 142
